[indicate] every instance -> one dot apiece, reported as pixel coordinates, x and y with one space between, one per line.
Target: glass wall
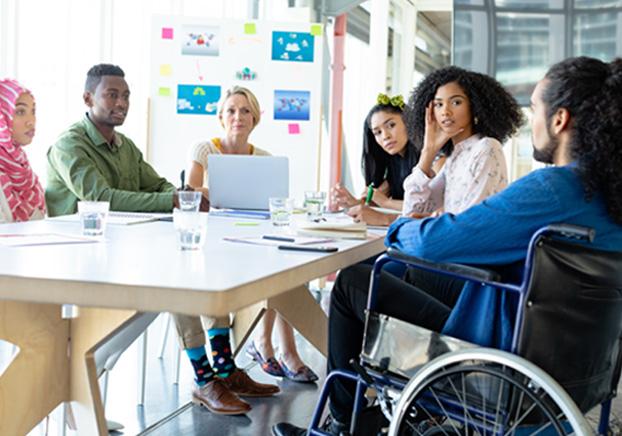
516 41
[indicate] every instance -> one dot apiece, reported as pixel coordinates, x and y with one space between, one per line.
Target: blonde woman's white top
475 170
200 151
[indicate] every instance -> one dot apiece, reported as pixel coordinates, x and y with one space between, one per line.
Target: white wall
50 45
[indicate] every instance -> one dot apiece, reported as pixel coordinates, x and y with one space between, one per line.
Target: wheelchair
564 359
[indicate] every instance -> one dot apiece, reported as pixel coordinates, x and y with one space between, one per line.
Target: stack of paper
337 226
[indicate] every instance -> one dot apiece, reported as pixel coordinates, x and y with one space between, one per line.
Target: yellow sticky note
316 29
166 70
250 28
164 92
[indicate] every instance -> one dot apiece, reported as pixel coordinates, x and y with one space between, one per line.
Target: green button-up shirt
82 165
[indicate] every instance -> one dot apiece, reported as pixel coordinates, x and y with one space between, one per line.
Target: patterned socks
221 352
203 372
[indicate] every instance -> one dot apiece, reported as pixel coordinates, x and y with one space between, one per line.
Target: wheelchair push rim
452 417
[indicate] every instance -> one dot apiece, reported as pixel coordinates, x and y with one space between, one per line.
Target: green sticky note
316 29
164 92
250 28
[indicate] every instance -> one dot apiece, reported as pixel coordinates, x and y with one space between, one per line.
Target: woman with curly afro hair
466 116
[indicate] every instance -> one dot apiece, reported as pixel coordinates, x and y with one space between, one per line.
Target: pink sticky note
167 33
294 129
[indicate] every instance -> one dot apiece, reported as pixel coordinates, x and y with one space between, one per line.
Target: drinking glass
190 228
189 200
314 204
280 210
93 216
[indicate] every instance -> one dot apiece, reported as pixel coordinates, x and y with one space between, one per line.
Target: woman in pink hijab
21 195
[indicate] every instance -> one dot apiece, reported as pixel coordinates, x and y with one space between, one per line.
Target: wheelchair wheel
485 392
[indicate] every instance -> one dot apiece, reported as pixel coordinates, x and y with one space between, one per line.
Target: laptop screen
246 182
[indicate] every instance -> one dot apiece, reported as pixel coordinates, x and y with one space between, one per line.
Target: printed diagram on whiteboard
200 40
197 99
291 105
292 46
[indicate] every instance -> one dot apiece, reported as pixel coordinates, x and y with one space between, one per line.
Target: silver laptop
246 182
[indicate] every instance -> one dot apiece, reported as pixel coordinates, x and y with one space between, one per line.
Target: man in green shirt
91 161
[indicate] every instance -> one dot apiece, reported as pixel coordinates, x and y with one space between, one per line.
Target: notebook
340 227
246 182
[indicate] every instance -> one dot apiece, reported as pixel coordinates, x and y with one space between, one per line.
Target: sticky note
167 33
164 92
166 70
250 28
316 29
293 129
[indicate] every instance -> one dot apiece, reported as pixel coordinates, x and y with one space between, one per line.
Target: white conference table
138 268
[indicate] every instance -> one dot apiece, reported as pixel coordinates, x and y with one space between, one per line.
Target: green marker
246 224
370 194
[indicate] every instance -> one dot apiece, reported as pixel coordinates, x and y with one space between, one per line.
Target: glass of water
314 204
93 216
190 227
280 210
189 200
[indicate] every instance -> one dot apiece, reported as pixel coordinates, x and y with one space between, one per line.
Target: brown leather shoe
240 383
218 398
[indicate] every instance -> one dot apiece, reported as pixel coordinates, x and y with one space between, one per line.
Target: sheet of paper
24 239
121 218
292 240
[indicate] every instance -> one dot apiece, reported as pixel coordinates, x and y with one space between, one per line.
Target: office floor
294 404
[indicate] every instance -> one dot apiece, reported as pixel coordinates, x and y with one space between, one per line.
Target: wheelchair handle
572 231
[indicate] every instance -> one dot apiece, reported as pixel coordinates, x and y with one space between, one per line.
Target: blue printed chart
291 105
198 99
292 46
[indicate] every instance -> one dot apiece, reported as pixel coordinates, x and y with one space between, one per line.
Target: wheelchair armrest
462 271
572 231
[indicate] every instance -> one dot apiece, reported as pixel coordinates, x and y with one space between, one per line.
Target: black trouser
422 298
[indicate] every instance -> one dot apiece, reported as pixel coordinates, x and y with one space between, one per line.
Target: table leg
301 310
244 323
88 330
37 380
297 306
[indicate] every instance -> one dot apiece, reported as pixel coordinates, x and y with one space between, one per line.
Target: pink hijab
20 184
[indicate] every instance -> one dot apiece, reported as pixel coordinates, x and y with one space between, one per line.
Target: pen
370 193
182 175
278 238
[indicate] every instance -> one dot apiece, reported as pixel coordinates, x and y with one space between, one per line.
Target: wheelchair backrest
572 318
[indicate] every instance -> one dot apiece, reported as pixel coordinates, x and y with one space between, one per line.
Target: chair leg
61 420
165 335
104 387
177 365
603 424
142 367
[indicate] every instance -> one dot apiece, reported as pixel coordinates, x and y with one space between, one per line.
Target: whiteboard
194 61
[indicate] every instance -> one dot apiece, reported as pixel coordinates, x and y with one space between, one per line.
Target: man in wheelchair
577 127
